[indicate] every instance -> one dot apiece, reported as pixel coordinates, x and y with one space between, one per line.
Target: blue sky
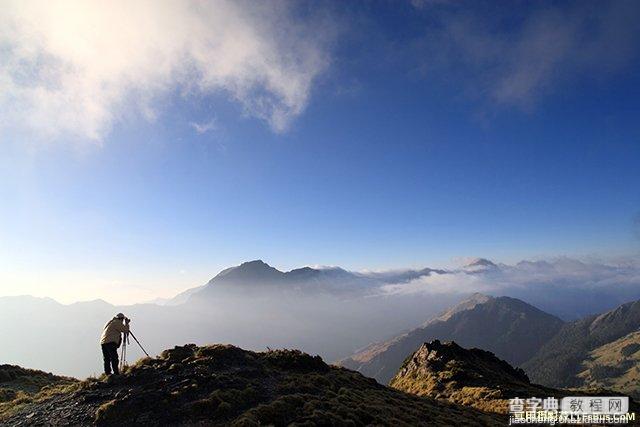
369 135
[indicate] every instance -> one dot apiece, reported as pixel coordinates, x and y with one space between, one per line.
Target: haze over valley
331 312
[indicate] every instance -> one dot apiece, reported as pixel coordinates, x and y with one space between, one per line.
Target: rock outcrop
470 377
475 378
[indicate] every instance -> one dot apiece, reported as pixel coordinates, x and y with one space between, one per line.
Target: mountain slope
19 385
559 362
16 381
615 365
471 377
368 353
511 328
225 385
182 297
467 304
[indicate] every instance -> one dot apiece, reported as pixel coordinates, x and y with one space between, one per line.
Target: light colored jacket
112 331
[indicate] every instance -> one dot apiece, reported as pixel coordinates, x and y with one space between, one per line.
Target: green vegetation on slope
561 360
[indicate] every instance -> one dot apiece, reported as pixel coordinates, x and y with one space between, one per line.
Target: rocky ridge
225 385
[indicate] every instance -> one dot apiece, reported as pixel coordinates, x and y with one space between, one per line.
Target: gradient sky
145 147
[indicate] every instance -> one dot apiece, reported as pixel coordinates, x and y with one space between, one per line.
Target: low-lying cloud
563 286
566 272
439 283
77 67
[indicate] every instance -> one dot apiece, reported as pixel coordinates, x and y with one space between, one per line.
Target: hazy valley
330 312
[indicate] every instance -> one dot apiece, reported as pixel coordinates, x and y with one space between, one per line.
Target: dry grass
22 399
20 387
615 366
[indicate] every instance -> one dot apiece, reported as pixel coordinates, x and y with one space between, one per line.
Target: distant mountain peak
478 297
480 265
95 302
258 276
307 268
481 262
257 264
256 271
467 304
331 268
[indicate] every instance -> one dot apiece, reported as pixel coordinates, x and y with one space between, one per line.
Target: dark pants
110 356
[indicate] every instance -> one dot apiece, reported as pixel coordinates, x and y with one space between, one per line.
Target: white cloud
447 283
561 274
79 67
519 63
204 127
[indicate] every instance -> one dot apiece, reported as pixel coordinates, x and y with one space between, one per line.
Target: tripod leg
138 342
121 357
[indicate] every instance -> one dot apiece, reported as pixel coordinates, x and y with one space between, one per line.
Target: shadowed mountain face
561 360
259 277
511 328
225 385
480 265
249 273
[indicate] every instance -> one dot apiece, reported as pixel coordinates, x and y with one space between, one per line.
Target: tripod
140 345
123 352
123 355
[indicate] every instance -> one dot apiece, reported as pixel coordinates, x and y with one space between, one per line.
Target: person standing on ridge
110 341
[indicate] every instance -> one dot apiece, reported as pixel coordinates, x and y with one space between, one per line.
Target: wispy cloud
205 127
516 60
78 67
422 4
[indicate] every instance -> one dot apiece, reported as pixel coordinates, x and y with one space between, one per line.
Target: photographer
110 342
